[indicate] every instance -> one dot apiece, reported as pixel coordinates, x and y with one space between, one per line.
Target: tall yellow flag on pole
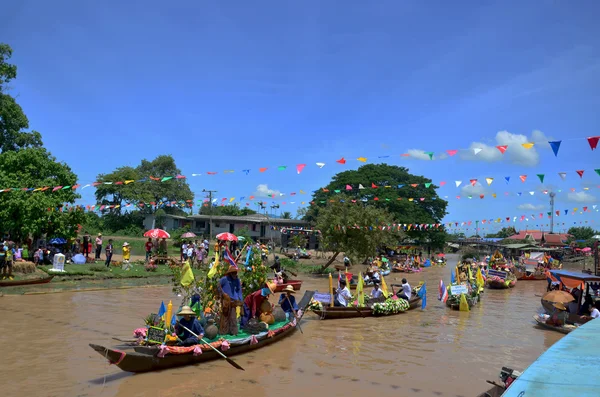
464 305
187 275
479 278
384 288
360 290
213 270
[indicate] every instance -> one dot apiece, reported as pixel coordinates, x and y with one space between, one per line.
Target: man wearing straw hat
253 302
190 322
559 316
287 301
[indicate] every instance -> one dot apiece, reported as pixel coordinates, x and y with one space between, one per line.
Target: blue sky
269 83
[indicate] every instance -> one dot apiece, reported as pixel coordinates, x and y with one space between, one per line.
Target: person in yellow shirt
126 256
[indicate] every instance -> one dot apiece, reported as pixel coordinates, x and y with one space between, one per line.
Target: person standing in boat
287 301
230 289
189 321
342 295
253 302
406 290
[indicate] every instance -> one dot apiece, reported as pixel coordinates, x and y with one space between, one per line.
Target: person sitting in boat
190 322
376 292
253 302
342 295
230 289
594 312
287 301
559 315
406 290
278 278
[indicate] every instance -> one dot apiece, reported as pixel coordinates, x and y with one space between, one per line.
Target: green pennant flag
430 154
597 171
166 178
197 309
337 191
66 187
549 213
541 176
427 185
282 167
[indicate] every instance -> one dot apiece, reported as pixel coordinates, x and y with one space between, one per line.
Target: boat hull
334 313
296 284
542 323
14 283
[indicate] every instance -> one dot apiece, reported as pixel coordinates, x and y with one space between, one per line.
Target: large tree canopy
149 191
24 163
391 197
226 210
581 232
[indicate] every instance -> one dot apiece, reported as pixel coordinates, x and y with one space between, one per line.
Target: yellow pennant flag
213 270
464 305
479 278
527 145
489 181
360 290
470 274
384 288
362 159
187 275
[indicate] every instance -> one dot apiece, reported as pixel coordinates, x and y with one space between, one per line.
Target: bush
470 254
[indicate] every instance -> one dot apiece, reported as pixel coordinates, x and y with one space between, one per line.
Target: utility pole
552 195
210 228
477 229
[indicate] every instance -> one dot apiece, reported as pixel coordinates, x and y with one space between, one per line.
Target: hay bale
24 267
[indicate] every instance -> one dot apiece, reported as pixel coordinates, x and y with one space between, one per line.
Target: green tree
395 186
301 213
13 121
226 210
581 232
337 222
286 215
505 232
24 163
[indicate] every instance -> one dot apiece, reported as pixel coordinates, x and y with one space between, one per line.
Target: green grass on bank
99 271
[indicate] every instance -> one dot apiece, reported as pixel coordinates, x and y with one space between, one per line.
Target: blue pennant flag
452 277
423 295
173 320
248 256
162 310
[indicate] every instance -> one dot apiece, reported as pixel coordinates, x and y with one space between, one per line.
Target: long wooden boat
491 284
147 358
333 313
542 323
573 318
14 283
296 284
456 305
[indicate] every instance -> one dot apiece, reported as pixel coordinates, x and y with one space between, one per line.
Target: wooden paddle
230 361
295 314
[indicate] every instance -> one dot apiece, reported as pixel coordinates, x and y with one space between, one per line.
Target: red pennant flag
584 209
593 141
414 184
557 213
502 148
118 183
376 199
473 182
481 196
580 173
348 187
374 186
523 178
341 161
180 177
507 219
262 169
442 183
211 173
451 152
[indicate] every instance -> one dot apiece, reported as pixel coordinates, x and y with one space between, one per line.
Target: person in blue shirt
230 288
190 322
287 301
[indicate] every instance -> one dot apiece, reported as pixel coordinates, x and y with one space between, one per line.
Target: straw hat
125 244
559 306
232 269
186 310
271 287
289 289
99 234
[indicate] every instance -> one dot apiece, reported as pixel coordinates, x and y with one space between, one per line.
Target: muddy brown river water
437 352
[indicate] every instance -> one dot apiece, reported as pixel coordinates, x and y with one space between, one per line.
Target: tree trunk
325 266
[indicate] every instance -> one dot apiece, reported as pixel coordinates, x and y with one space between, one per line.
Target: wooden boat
333 313
542 323
14 283
530 276
456 305
296 284
146 358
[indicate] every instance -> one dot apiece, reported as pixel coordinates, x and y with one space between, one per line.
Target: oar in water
230 361
295 314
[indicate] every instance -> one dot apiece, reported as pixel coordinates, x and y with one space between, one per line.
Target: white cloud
264 191
515 153
581 197
531 207
477 190
418 154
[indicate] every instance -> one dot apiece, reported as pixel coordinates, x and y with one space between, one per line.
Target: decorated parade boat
500 273
162 356
535 267
464 293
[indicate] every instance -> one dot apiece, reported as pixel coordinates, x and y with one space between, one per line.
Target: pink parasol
440 255
157 233
227 237
188 235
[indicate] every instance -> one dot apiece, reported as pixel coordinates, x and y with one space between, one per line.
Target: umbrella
58 240
441 255
227 237
157 233
596 237
558 297
79 259
188 235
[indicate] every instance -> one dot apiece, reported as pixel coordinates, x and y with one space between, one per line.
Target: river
437 352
